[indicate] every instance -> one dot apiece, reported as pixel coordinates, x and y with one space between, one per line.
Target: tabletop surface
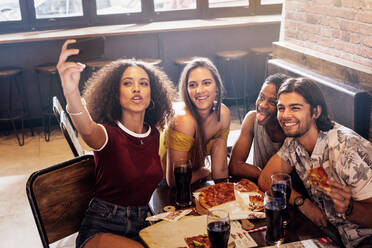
299 227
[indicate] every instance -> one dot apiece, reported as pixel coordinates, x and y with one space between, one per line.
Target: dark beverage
278 190
275 229
281 188
219 233
182 177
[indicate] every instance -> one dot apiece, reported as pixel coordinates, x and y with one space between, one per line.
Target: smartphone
89 48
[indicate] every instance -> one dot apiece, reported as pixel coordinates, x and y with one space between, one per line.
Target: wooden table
299 228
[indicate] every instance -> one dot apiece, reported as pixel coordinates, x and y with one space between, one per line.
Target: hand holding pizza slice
318 178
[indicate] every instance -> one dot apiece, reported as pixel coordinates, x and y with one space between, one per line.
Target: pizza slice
318 178
246 185
216 195
256 202
200 241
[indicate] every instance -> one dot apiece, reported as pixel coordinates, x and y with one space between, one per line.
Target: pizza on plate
256 202
318 177
216 195
200 241
246 185
221 193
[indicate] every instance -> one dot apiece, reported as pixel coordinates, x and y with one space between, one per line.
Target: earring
151 107
214 107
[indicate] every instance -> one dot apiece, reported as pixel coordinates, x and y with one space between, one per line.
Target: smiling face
294 115
266 104
201 88
135 90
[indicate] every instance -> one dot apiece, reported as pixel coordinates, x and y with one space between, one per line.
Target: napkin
170 216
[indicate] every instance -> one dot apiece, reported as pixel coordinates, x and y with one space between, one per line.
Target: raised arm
238 167
219 149
93 134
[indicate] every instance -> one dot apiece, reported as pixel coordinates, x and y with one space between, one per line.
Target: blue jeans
105 217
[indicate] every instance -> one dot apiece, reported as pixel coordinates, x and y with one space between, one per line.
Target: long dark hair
103 96
198 150
312 94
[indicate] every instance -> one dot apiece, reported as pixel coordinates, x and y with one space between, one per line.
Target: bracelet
78 113
73 114
349 209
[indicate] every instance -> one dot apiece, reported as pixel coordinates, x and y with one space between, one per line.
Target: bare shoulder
248 122
225 116
184 122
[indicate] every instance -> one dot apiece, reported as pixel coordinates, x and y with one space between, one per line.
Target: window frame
29 21
230 11
17 26
65 22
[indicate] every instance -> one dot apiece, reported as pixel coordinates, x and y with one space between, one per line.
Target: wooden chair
67 129
59 195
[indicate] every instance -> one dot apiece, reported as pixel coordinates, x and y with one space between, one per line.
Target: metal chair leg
16 133
47 132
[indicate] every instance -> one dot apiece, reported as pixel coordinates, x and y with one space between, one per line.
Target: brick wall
341 28
338 31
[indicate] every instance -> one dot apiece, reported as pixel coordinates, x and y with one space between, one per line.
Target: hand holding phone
89 48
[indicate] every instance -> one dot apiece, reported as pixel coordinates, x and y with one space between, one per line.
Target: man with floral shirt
313 140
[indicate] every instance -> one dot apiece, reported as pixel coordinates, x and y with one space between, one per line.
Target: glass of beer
218 226
182 176
274 206
281 184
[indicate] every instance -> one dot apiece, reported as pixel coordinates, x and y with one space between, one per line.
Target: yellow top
171 138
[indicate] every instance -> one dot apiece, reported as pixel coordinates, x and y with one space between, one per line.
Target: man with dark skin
261 129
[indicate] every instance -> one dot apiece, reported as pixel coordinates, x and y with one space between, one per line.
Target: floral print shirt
347 158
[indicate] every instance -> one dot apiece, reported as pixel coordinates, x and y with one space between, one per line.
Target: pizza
221 193
216 195
256 202
246 185
200 241
318 178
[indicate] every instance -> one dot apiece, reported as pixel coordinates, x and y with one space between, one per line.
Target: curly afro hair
102 93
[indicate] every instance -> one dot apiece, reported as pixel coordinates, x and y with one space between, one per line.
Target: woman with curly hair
126 101
201 127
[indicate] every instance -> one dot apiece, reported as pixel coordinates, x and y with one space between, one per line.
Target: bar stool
93 66
49 86
259 57
233 66
156 62
15 103
180 63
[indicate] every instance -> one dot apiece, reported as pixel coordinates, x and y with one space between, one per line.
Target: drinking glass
281 183
218 226
182 176
274 207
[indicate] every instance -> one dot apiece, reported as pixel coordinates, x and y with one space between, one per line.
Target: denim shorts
105 217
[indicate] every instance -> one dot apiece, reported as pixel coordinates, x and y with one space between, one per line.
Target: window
265 2
227 3
107 7
45 9
168 5
27 15
10 11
